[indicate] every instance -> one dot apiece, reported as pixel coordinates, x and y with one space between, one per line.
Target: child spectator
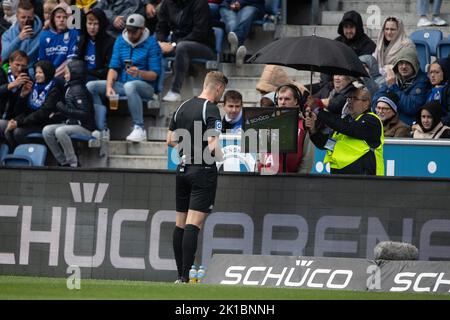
76 112
48 7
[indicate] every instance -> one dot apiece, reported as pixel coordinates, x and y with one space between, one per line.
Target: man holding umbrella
356 145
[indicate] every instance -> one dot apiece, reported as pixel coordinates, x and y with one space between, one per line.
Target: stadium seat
443 48
423 53
430 36
100 124
4 150
29 154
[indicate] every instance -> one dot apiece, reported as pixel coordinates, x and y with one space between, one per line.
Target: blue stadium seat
430 36
443 48
213 64
423 53
29 154
4 150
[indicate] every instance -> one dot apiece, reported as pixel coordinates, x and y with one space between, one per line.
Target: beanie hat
391 99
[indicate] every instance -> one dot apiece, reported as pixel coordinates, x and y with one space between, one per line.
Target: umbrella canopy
312 53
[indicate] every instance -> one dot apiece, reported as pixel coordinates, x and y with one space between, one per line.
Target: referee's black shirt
196 114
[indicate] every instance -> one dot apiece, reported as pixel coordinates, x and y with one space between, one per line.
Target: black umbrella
311 53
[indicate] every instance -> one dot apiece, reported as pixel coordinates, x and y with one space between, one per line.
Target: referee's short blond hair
214 78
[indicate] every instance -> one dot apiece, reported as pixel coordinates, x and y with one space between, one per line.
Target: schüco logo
302 275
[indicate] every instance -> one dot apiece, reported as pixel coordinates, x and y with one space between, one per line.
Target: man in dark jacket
11 84
351 32
77 113
356 145
192 37
96 46
117 12
38 102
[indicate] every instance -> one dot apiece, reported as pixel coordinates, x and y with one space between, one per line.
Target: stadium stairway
153 154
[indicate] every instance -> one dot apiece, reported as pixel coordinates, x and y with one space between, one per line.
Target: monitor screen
264 122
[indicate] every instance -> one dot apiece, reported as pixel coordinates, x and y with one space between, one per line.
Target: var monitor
263 127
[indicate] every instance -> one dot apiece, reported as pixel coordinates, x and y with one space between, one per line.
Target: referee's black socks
189 246
177 241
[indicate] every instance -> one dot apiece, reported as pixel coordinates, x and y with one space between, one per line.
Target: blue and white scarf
11 78
39 94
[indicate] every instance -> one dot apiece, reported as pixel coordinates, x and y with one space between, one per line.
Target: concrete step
157 133
388 5
150 148
137 162
408 18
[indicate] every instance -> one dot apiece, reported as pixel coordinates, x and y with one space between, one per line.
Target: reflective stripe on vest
347 150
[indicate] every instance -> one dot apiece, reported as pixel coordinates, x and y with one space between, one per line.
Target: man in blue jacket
408 82
24 34
133 71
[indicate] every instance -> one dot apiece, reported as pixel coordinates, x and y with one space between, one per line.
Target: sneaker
233 41
424 22
180 281
438 21
172 96
137 135
240 56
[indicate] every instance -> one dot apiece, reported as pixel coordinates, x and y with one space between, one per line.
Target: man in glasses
133 71
356 144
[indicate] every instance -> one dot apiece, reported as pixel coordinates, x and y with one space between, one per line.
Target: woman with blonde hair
391 39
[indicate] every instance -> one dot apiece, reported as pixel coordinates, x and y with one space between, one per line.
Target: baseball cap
135 20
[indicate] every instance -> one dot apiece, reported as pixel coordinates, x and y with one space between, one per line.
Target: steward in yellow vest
355 146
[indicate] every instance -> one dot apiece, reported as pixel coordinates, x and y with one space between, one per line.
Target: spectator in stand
23 35
214 6
387 111
267 100
117 12
59 44
48 7
337 97
151 14
408 82
422 11
391 39
9 10
136 80
96 46
289 96
38 102
11 83
351 32
439 75
76 113
238 16
356 145
232 105
375 80
429 125
188 24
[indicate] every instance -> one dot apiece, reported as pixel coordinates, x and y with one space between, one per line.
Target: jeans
184 52
19 136
422 7
240 22
57 138
135 91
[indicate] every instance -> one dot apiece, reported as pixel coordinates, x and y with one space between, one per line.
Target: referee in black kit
195 128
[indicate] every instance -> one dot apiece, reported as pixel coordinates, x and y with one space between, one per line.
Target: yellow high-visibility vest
348 149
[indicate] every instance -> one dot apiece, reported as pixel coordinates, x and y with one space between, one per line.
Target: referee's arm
214 148
170 139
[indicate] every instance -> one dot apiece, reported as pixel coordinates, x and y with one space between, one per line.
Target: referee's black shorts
196 188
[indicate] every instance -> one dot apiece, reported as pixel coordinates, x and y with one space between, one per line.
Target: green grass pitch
16 288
